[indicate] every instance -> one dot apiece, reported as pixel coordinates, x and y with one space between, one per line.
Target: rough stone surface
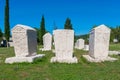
90 59
64 40
99 43
23 59
25 43
79 44
47 42
114 52
25 40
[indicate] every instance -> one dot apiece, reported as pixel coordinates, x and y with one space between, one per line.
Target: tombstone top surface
47 34
24 27
63 30
80 39
101 28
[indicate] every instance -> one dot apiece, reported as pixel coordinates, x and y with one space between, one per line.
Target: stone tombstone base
66 60
28 59
90 59
114 53
43 49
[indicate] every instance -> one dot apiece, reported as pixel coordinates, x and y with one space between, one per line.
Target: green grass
115 47
42 69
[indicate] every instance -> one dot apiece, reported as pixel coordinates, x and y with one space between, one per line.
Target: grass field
42 69
115 47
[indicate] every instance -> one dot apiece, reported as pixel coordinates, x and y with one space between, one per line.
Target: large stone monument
99 44
64 41
79 44
47 42
25 44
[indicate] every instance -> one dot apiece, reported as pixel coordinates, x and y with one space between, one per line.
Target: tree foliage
1 35
7 25
94 26
85 37
42 30
115 33
68 24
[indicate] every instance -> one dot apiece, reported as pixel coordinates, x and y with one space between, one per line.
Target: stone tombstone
47 41
64 41
79 44
115 40
99 44
10 43
25 44
25 40
86 48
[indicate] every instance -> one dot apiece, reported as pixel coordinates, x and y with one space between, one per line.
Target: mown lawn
115 47
42 69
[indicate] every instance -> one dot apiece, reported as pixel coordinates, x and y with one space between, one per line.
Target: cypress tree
42 30
68 24
7 25
1 35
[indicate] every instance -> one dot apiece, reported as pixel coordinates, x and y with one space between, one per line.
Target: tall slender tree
7 25
42 30
68 24
1 35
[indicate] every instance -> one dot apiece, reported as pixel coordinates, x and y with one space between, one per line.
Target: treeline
42 30
114 35
85 37
115 32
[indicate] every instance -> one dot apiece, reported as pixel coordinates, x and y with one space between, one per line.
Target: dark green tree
1 35
7 25
68 24
112 34
115 33
42 30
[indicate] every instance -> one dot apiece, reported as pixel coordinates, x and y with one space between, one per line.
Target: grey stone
25 44
64 40
47 42
80 44
99 44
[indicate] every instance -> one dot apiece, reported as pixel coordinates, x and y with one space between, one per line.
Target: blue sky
83 13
